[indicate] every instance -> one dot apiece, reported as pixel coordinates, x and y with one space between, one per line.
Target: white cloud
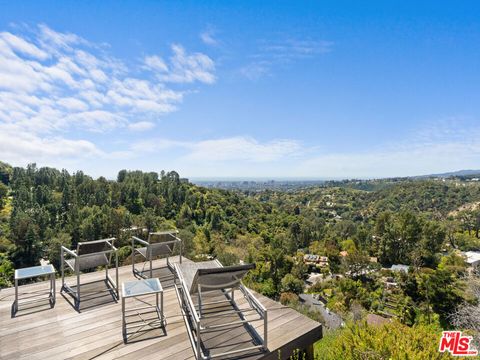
57 43
155 145
72 104
291 49
255 70
441 147
416 161
141 126
96 120
155 62
18 44
53 84
77 81
183 67
208 37
240 148
282 52
20 147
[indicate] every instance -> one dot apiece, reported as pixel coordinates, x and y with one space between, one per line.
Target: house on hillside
323 261
399 267
472 258
310 259
315 260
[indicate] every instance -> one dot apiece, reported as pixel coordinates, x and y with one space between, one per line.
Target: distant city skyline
271 90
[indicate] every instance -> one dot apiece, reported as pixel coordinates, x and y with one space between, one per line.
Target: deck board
61 332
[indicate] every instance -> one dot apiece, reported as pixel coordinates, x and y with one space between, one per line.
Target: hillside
420 223
459 173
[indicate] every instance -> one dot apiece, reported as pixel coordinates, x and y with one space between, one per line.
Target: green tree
28 249
440 292
390 341
356 264
6 271
292 284
54 245
3 195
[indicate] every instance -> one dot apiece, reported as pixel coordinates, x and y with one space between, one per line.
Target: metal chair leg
151 268
62 259
78 286
116 275
133 256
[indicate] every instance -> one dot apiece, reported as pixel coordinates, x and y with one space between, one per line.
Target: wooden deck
40 332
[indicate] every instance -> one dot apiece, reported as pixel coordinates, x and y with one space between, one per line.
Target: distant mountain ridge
452 173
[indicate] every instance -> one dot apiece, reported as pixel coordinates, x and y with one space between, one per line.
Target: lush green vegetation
390 341
419 223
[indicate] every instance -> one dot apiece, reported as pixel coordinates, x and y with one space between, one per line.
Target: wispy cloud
141 126
442 146
292 49
22 147
282 53
208 37
183 67
436 147
53 84
256 70
242 148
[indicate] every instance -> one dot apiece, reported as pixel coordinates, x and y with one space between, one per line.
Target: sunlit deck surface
40 332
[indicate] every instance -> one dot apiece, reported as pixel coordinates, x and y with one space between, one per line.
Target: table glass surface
141 287
34 271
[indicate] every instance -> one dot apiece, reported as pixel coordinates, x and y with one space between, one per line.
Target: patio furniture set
204 289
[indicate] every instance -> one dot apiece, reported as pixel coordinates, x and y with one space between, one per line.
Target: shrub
292 284
6 271
390 341
288 298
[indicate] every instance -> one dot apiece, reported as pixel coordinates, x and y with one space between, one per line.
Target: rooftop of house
472 257
314 258
399 267
311 257
95 332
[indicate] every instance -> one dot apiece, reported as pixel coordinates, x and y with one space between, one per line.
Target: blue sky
242 89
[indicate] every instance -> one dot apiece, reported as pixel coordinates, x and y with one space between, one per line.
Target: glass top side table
33 272
139 288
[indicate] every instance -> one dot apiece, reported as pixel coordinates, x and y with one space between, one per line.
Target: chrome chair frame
195 319
79 258
149 249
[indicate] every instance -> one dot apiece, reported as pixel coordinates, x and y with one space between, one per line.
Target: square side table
33 272
138 288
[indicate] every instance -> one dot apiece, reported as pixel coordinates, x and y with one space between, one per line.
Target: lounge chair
158 244
89 255
196 280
